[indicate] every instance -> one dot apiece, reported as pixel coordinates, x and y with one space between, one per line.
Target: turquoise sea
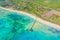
16 26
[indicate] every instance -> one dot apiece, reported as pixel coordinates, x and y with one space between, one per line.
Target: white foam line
34 17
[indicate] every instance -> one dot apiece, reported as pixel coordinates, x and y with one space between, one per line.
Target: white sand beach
34 17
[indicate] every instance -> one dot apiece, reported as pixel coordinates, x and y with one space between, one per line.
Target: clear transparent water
15 26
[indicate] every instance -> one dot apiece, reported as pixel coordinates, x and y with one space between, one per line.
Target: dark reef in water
12 24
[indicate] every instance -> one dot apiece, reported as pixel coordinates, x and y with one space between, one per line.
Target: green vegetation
55 19
54 4
31 6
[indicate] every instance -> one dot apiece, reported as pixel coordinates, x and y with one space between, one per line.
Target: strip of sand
34 17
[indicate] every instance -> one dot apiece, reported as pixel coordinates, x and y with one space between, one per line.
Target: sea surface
17 26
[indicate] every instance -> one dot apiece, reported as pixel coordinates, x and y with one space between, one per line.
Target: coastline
35 18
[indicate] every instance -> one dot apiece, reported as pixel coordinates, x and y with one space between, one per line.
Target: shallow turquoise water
15 26
42 33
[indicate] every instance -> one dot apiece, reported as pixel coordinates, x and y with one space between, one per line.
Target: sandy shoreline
34 17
